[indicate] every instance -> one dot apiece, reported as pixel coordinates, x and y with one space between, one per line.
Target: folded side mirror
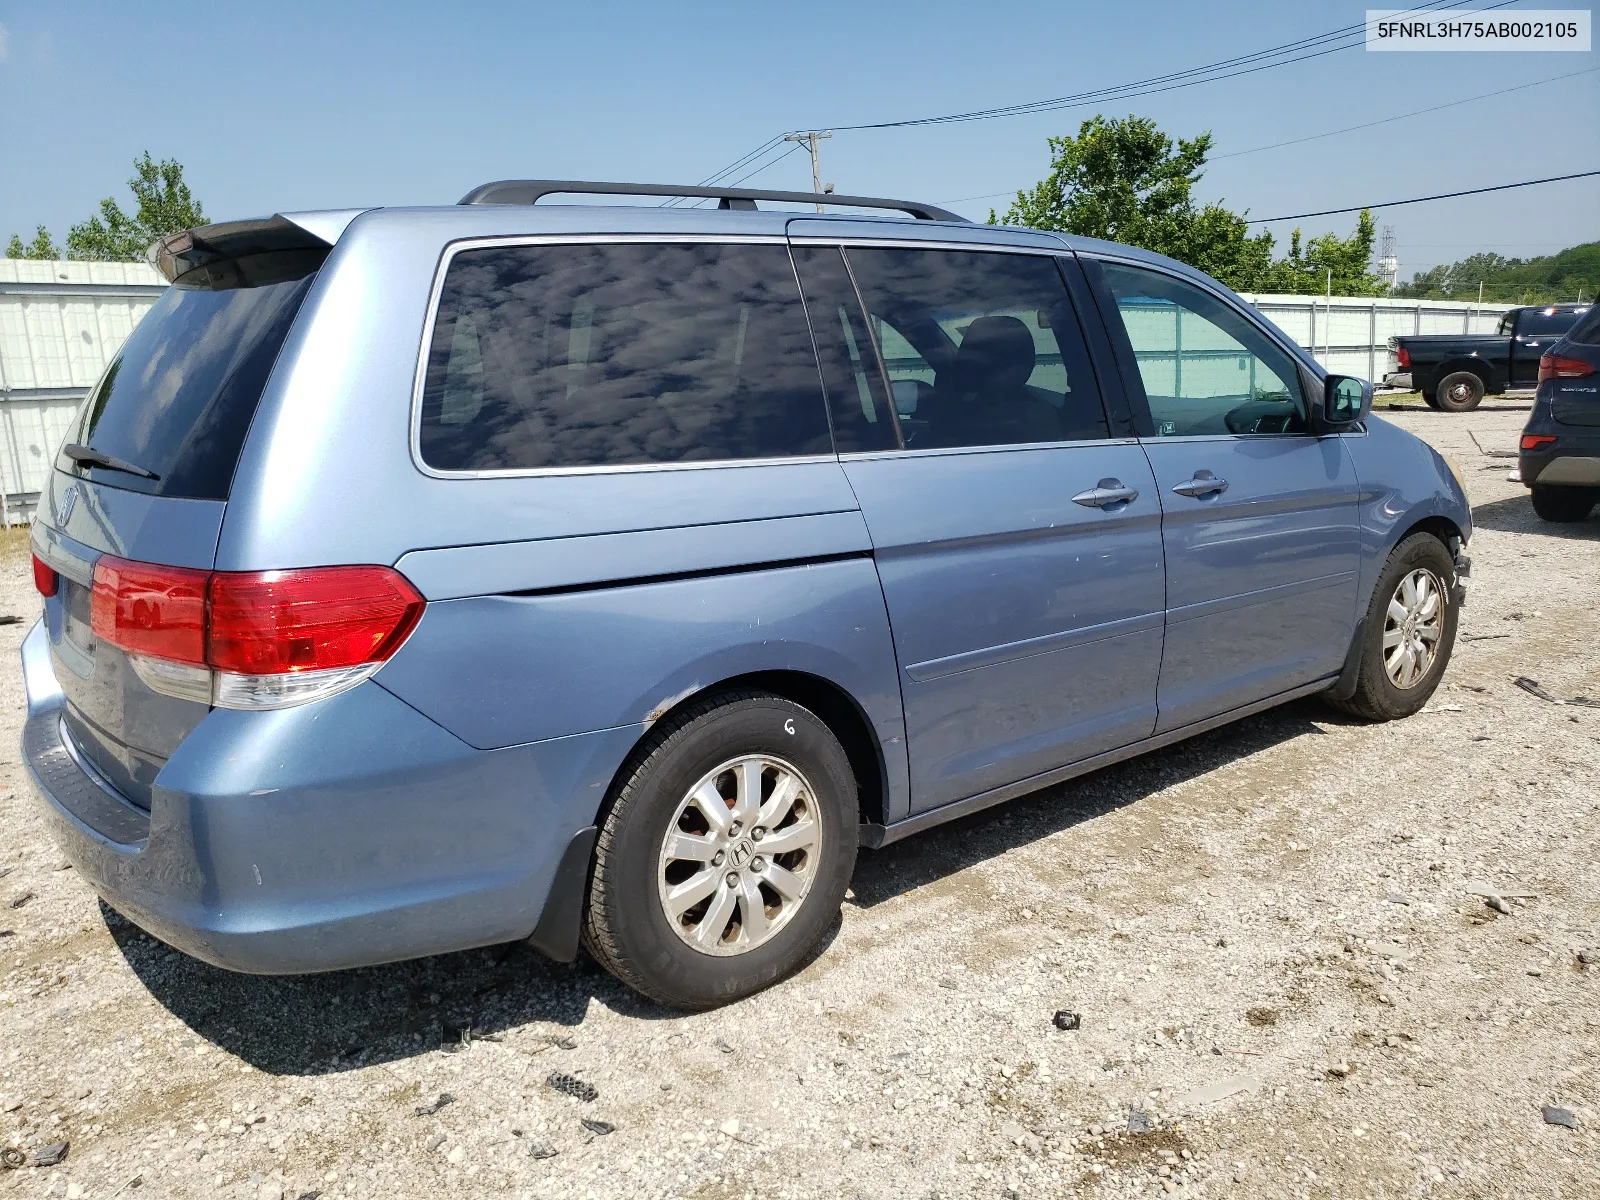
1346 400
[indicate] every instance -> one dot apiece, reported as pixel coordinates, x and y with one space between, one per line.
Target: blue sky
291 106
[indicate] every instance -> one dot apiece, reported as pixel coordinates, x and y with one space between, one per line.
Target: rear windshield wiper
95 458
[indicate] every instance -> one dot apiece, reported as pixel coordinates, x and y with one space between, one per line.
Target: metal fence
1350 335
60 323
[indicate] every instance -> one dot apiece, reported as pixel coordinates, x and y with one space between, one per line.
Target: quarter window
1206 368
596 355
980 349
861 417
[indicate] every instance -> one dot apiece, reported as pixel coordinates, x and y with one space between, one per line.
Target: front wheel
1460 391
1409 632
1564 504
726 854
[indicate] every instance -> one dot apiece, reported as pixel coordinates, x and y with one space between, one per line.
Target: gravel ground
1276 910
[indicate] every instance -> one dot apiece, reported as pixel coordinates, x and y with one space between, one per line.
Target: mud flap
1345 686
556 935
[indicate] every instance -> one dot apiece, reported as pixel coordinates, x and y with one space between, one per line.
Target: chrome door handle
1204 483
1106 493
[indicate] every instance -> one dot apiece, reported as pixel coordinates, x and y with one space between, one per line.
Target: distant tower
1388 264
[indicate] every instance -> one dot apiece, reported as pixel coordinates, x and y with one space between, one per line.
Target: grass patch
14 542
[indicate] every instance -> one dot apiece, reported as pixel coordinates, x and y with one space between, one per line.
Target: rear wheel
1564 504
1408 634
726 854
1430 399
1460 391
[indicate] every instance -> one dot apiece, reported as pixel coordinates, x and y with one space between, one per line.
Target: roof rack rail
529 191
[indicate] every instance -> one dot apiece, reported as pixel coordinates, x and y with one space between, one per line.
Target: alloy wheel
739 855
1413 627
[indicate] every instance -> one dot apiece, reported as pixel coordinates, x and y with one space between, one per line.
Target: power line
1401 117
1347 129
1249 64
1499 187
742 161
1127 91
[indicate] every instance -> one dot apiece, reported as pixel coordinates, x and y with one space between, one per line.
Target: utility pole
812 137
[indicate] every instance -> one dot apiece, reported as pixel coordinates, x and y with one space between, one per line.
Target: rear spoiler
252 252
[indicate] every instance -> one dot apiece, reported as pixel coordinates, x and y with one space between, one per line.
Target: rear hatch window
170 414
169 419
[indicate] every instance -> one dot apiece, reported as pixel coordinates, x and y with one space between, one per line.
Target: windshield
177 401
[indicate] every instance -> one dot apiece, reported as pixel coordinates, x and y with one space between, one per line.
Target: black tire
1564 504
626 926
1376 696
1431 400
1459 391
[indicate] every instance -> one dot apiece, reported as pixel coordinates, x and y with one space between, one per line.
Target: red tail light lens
1553 366
1536 441
1403 357
44 577
274 622
254 622
145 609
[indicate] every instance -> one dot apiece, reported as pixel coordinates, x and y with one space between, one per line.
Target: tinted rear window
571 356
1587 331
1547 320
178 400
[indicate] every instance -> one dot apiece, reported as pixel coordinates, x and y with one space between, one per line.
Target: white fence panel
60 324
1350 335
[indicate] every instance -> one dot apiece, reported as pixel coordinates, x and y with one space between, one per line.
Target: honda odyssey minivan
606 575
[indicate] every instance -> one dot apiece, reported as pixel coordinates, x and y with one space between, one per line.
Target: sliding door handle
1204 483
1106 494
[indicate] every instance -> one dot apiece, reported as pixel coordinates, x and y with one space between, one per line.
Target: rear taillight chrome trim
185 681
260 692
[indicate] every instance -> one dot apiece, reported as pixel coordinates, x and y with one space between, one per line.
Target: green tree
42 246
165 206
1567 275
1329 261
1126 181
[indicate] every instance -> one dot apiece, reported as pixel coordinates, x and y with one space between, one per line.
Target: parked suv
420 579
1560 449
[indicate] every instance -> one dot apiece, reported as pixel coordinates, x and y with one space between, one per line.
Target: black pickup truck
1454 371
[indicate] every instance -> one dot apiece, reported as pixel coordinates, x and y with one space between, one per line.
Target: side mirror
1345 400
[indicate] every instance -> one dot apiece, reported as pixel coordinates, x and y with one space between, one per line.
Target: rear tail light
154 611
1552 366
1536 441
44 577
1402 356
252 639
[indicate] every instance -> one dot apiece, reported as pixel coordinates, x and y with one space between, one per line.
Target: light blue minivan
603 574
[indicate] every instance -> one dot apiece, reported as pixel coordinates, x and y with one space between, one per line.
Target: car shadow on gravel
344 1020
1516 515
947 849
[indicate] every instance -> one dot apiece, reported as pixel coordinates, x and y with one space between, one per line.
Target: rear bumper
1574 467
1398 379
345 833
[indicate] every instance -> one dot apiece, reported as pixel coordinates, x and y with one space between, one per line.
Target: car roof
512 220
